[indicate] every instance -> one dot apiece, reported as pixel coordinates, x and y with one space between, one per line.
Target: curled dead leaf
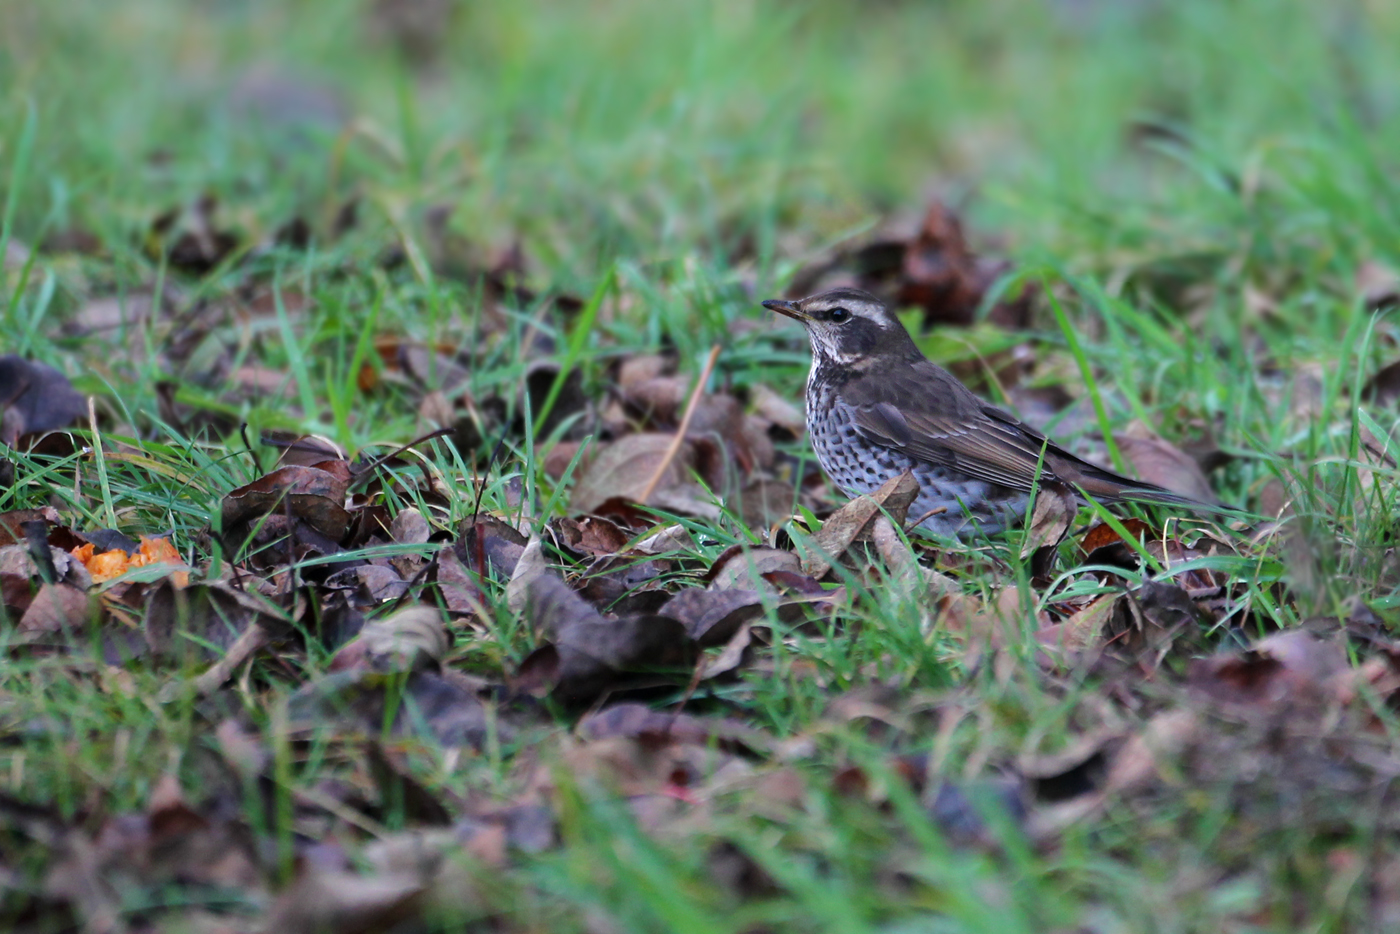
412 639
34 397
312 495
1286 668
851 523
589 654
1053 514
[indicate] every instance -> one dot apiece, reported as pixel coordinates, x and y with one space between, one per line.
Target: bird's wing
925 412
921 409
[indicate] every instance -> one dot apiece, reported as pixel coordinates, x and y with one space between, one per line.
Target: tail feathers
1110 488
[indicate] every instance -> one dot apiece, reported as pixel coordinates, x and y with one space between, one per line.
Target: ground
407 521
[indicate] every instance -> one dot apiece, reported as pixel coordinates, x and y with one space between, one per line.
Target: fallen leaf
412 639
312 495
1378 284
656 727
593 654
56 608
409 527
622 470
34 398
1164 464
673 538
777 410
170 851
1286 668
342 902
851 523
531 566
593 535
742 568
200 620
429 704
903 564
374 582
1087 630
711 617
12 523
487 544
1051 518
1103 545
110 316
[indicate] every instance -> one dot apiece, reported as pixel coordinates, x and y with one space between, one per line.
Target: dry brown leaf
851 523
594 535
56 608
171 847
1087 630
639 722
656 400
777 410
531 565
253 640
333 901
642 367
1164 737
1164 464
34 397
763 502
380 584
652 763
110 315
1378 284
1291 667
901 560
740 568
590 655
414 638
212 615
731 656
313 495
622 470
442 706
673 538
409 527
455 586
1054 512
12 522
711 617
1103 545
1130 765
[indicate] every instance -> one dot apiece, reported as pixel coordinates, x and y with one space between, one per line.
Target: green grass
1194 185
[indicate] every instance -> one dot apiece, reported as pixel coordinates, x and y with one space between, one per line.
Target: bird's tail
1111 488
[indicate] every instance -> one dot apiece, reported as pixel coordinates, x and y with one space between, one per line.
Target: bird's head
847 326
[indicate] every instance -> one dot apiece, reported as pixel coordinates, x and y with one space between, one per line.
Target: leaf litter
459 682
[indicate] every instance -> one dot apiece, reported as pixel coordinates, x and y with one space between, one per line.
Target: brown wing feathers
952 427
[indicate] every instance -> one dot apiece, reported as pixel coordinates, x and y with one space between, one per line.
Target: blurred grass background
1093 130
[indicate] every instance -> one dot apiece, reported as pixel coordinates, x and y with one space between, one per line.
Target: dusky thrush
876 407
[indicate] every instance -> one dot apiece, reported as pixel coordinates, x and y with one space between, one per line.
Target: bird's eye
838 315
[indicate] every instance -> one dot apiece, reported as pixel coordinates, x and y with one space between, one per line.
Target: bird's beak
786 308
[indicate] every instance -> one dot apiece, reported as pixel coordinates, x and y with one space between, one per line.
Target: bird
877 407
